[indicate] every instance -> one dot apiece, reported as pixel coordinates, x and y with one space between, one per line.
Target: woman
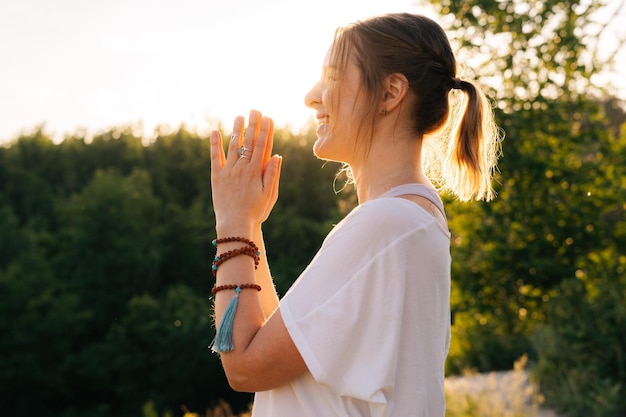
364 331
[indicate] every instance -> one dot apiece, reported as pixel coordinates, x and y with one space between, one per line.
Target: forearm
269 297
253 307
262 276
248 315
241 270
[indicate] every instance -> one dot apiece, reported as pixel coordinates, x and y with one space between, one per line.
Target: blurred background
105 202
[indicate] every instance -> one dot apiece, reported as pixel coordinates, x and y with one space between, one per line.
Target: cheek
327 100
333 99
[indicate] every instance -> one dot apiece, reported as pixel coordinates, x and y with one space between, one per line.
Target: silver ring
234 137
240 152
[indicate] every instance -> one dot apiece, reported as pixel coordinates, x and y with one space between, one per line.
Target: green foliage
528 50
158 342
41 322
581 366
480 342
511 255
110 242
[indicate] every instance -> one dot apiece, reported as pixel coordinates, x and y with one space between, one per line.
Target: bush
582 366
502 394
479 343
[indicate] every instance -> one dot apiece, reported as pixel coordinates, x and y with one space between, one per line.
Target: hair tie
457 84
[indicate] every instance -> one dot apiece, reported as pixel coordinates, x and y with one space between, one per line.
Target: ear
395 88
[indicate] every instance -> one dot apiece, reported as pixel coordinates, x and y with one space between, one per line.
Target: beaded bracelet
216 242
224 335
252 250
219 288
221 258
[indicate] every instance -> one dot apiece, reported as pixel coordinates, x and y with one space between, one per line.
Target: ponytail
473 146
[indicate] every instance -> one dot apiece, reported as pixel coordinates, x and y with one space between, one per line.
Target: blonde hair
462 156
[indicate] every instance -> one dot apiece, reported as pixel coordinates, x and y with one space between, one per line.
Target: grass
498 394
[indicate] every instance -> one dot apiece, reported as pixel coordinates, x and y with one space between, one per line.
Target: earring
383 111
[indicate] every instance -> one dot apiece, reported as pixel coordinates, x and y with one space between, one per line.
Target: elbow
241 378
239 383
250 381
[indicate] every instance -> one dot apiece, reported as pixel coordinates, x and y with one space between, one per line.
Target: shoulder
391 214
384 220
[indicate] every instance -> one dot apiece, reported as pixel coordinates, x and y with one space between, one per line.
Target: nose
313 99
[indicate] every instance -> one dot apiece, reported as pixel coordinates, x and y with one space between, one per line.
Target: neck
390 162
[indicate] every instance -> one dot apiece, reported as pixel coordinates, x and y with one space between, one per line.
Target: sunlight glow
76 66
86 67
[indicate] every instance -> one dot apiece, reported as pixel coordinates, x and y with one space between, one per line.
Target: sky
87 66
77 66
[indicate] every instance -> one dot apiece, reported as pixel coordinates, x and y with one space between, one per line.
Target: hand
245 183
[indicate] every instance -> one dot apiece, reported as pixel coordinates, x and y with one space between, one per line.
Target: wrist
244 230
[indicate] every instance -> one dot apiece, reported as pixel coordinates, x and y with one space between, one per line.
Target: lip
321 129
322 118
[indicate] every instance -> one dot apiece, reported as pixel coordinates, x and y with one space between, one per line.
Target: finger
238 126
265 132
217 152
271 179
235 140
269 144
254 121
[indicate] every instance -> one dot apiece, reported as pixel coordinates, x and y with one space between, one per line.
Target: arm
269 297
244 192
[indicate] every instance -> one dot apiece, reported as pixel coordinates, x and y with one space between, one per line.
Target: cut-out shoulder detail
429 206
422 195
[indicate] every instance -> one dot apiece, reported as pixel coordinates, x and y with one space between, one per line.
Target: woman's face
337 100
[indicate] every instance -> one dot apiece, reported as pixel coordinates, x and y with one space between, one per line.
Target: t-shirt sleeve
345 311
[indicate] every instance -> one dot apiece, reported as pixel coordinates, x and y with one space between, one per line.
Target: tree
546 254
512 254
110 243
159 352
532 51
41 322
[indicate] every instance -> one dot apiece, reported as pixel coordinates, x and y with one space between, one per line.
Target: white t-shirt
371 318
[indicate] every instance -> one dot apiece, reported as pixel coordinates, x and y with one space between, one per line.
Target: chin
328 148
324 154
317 148
321 151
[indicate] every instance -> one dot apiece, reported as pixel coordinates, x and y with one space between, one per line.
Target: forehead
339 55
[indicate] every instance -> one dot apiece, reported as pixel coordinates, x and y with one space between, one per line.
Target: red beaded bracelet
223 257
219 288
216 242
